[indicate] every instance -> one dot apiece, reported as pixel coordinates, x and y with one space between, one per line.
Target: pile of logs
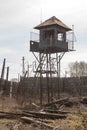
41 117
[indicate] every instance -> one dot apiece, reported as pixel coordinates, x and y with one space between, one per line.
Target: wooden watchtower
52 40
52 37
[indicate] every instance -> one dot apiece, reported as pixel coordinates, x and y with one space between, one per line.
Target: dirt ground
76 118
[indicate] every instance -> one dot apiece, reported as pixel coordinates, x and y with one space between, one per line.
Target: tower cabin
52 37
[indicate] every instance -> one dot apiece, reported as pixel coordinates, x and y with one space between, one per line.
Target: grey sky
18 17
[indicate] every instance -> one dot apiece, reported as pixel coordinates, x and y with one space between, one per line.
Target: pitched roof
52 21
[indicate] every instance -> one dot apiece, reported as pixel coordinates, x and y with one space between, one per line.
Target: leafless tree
78 69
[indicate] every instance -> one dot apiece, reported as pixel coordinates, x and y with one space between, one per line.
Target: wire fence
34 37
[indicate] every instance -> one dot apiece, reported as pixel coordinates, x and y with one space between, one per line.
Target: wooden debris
9 115
59 101
45 115
55 111
39 123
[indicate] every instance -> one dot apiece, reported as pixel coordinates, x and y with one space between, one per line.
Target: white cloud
28 13
5 51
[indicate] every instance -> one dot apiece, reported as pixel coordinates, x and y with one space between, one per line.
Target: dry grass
76 119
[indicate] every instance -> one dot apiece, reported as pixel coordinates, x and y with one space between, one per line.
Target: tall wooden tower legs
48 68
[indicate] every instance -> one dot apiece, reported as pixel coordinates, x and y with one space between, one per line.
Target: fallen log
45 115
39 123
59 101
28 119
29 115
10 115
56 111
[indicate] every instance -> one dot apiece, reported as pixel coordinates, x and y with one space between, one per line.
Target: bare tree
78 69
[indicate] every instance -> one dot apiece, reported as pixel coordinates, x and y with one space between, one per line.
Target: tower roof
52 21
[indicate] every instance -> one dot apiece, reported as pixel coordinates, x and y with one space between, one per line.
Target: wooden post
41 95
51 85
23 66
58 73
6 81
7 73
11 89
47 78
3 69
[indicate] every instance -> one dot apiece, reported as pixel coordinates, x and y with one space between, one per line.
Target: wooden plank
39 123
55 111
59 101
10 115
44 115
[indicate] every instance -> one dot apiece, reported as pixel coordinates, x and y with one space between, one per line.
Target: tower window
60 36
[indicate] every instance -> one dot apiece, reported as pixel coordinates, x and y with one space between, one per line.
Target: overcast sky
18 17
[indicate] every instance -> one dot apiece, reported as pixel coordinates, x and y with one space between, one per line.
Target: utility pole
23 65
2 75
3 69
11 89
7 73
6 81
